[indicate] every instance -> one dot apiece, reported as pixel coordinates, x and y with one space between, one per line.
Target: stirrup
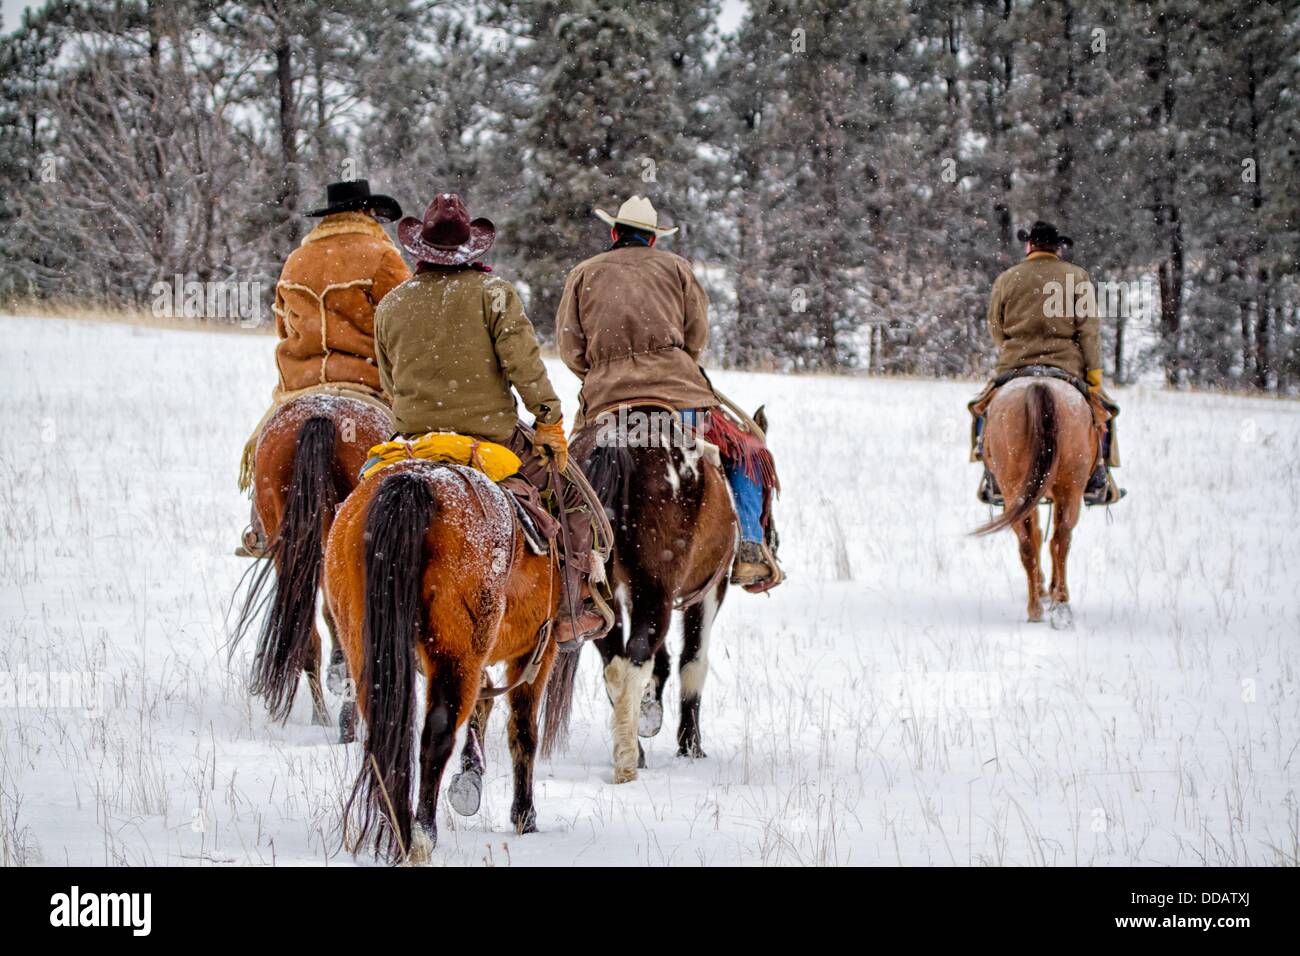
1107 494
988 492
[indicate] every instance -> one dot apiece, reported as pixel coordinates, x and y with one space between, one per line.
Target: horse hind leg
693 669
626 677
525 703
652 702
320 715
445 701
1030 540
1067 516
339 681
465 792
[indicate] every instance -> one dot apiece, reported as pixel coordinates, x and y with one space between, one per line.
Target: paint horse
675 533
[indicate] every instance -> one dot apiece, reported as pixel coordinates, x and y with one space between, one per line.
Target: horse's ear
760 418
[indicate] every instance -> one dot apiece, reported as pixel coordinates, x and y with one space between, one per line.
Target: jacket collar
1041 254
346 223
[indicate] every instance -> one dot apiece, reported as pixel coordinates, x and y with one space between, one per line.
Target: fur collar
345 223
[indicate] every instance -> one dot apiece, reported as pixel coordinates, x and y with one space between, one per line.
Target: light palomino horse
1040 442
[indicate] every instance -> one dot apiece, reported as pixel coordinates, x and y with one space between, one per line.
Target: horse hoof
1061 617
624 774
651 719
465 792
423 840
693 751
525 822
336 678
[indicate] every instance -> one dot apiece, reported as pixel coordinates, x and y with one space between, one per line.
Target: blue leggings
747 492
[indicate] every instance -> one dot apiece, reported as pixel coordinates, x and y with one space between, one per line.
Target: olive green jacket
450 343
1043 311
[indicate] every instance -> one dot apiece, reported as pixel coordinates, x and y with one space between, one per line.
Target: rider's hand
549 439
1094 380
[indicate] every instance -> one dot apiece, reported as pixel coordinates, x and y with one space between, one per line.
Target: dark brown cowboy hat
354 195
446 236
1043 234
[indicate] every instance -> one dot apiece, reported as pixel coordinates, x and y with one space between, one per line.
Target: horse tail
397 523
609 472
284 641
559 702
1040 411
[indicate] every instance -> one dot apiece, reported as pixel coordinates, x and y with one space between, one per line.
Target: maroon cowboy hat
446 236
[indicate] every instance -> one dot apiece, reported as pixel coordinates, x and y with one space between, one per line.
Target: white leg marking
626 683
694 673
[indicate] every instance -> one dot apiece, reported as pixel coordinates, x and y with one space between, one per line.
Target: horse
308 457
1040 442
675 533
427 573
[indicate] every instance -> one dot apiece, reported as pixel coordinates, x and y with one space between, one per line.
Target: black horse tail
396 530
608 469
289 580
609 472
1040 412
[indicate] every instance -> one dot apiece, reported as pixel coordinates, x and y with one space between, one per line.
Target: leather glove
550 440
1094 380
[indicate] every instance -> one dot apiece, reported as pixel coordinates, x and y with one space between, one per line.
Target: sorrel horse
675 533
308 456
1040 442
427 574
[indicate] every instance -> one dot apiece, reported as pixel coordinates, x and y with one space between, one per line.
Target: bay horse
675 533
1040 442
309 453
427 574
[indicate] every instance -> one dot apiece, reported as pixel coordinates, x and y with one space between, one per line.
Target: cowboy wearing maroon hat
451 343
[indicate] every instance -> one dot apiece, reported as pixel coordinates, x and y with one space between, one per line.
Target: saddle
1103 410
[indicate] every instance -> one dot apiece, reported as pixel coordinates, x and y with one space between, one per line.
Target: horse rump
1041 425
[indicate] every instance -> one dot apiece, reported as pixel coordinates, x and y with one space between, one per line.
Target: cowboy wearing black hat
325 302
1043 318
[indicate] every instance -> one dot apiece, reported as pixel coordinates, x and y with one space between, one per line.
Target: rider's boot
754 564
588 625
253 544
1101 489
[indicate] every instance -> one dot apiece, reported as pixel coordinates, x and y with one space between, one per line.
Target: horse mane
1040 412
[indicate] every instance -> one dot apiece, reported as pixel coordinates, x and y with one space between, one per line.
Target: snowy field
890 704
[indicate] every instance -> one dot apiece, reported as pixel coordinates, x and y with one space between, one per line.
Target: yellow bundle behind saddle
496 461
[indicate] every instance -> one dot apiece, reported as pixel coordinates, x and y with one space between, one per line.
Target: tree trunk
288 194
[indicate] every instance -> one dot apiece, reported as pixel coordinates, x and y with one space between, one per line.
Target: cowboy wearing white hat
632 324
638 213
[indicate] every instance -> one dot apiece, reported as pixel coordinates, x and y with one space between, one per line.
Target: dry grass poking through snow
889 704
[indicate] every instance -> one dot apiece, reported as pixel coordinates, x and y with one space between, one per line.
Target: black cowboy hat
354 195
1043 234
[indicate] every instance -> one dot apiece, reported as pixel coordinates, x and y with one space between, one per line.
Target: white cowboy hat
638 213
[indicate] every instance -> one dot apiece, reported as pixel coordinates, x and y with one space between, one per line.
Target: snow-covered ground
889 704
